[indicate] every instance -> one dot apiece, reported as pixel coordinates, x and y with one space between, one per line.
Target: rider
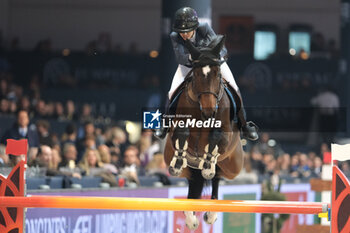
187 27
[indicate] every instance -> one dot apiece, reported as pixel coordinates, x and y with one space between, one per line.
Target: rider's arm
181 53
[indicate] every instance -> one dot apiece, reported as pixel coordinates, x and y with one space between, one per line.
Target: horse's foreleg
211 154
195 187
179 161
211 217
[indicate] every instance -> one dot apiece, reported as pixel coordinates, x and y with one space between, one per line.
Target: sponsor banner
297 192
240 222
99 221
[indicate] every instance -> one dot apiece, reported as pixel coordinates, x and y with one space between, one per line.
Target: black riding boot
162 132
249 129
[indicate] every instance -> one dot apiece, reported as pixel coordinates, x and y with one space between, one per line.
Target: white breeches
182 71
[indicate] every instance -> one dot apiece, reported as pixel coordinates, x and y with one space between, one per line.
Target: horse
201 154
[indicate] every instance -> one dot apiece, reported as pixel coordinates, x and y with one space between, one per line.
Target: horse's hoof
208 174
208 171
210 217
193 226
174 172
177 165
192 221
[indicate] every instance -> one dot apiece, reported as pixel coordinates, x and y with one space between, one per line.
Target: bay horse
201 154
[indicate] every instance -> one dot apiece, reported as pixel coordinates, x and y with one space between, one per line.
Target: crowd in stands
108 154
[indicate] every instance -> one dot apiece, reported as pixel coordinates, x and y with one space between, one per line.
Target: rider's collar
193 38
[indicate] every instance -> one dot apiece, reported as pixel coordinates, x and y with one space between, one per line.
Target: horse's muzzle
208 113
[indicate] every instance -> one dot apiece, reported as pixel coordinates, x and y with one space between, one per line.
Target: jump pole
111 203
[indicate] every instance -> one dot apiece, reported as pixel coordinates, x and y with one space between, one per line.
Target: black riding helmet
186 20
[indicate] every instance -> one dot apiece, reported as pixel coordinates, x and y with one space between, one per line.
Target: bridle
218 96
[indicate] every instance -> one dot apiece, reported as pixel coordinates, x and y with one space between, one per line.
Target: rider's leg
178 78
248 128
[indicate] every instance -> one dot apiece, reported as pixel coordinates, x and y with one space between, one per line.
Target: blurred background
83 71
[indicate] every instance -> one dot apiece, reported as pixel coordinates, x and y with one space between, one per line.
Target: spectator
157 167
50 110
13 107
116 159
14 159
87 139
88 142
294 165
303 170
70 111
21 129
87 130
59 111
117 142
131 169
4 158
24 104
256 161
100 136
92 165
69 156
284 164
43 127
56 143
40 109
70 134
90 160
145 144
345 167
43 158
317 169
4 106
56 159
86 114
324 148
106 159
270 164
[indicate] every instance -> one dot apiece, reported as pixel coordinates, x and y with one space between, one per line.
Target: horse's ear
220 40
195 53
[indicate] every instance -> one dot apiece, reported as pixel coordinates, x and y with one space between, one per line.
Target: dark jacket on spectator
13 133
